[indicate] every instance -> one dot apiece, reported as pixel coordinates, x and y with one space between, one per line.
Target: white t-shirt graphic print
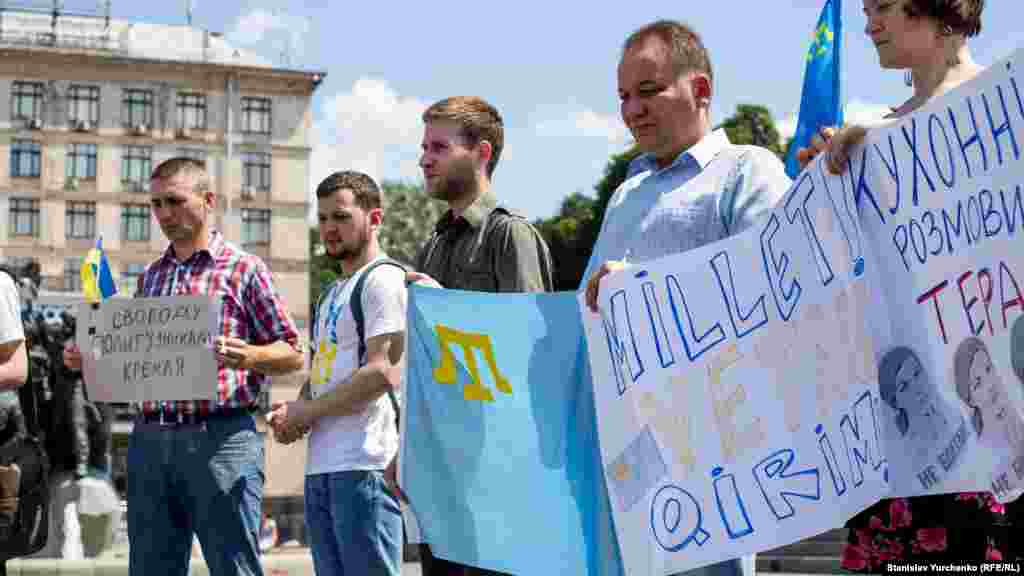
368 440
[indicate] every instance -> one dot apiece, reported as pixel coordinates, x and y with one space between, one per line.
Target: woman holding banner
929 39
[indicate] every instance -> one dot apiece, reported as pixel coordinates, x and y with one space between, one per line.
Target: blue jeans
206 479
354 524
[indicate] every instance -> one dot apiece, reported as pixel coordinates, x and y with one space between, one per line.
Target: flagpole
838 13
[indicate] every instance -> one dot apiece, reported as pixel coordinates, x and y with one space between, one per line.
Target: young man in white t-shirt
354 521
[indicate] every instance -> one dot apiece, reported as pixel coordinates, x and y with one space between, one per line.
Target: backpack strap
356 305
500 215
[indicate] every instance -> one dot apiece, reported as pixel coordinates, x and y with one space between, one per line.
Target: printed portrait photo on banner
920 418
996 421
1017 348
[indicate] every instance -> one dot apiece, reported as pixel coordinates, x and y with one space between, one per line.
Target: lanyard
333 311
334 308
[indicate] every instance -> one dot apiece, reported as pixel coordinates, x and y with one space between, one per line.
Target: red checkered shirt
251 310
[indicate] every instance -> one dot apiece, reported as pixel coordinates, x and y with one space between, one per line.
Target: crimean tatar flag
821 103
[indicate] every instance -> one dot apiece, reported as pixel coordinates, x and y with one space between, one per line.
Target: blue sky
549 67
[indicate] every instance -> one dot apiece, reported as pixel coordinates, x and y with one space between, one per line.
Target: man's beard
354 249
180 232
459 182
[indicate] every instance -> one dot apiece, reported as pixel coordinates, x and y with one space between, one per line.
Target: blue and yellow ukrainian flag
97 281
821 103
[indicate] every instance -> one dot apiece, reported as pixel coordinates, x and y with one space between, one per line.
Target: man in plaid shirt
197 466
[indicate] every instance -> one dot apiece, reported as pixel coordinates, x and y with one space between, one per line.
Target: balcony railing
61 40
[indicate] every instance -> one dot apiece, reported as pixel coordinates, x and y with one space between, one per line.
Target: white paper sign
866 340
138 349
940 195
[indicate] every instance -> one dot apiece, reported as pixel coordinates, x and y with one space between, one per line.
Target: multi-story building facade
93 106
89 106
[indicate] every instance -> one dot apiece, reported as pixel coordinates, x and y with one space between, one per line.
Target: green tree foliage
568 239
409 218
572 232
753 124
614 175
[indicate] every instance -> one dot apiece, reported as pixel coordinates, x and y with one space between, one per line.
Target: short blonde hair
187 166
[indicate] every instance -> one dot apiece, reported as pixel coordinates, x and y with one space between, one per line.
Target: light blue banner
501 461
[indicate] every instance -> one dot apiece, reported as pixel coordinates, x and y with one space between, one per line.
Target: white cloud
596 125
370 128
588 124
251 27
284 31
787 126
856 112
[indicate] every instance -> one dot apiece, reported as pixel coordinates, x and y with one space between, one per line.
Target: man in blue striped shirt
690 186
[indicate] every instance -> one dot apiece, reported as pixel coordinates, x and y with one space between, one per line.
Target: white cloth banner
866 340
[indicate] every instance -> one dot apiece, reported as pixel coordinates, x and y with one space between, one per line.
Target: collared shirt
251 310
711 191
487 249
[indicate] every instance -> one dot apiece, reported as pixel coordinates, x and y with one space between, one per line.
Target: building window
256 170
130 277
84 104
137 107
72 274
80 162
256 115
25 156
136 167
192 111
24 217
255 226
27 100
197 154
80 220
135 223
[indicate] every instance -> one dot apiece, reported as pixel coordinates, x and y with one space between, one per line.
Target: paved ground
292 554
56 568
818 555
295 561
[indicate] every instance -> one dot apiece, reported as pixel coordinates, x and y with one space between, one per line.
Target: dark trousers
433 566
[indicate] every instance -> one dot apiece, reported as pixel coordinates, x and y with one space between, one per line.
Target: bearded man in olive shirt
476 245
